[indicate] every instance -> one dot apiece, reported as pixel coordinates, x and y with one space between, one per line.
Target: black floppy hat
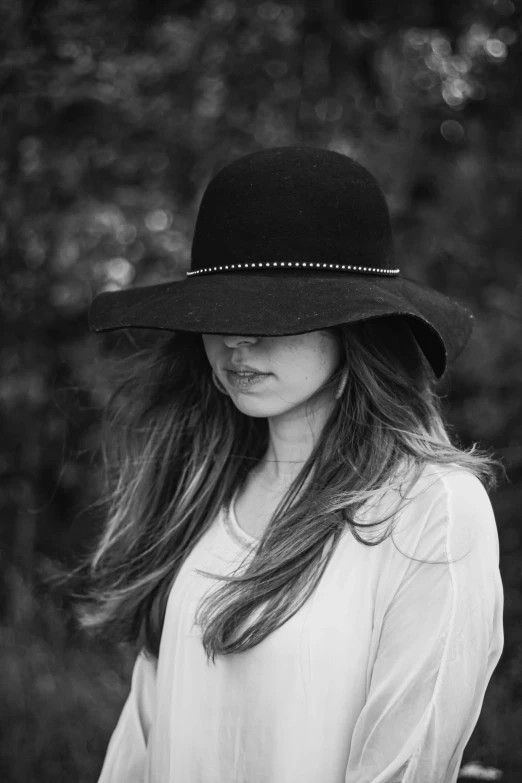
290 240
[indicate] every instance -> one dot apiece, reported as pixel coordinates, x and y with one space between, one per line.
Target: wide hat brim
285 303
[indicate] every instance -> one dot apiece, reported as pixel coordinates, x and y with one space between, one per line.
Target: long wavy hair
176 451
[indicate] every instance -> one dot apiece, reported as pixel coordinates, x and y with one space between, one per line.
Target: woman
307 563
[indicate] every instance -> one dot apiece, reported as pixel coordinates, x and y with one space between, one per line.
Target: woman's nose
234 340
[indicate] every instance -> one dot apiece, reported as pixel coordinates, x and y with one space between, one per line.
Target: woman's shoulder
423 486
452 506
432 512
451 485
431 504
435 480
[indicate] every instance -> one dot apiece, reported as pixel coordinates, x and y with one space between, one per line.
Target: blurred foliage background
114 116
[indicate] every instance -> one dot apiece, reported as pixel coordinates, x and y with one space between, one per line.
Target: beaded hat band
294 264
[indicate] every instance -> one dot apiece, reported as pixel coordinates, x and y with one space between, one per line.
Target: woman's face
290 370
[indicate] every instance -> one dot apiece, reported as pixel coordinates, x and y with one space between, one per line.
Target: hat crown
293 205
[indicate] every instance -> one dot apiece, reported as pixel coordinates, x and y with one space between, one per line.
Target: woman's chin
252 406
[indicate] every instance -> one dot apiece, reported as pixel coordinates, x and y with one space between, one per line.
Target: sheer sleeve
126 753
441 638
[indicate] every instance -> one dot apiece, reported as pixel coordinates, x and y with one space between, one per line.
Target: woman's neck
292 438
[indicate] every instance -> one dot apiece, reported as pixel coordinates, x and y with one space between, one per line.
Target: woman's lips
245 380
239 368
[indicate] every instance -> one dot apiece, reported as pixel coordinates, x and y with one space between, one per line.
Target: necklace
292 461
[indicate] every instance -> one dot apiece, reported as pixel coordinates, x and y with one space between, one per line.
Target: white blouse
378 678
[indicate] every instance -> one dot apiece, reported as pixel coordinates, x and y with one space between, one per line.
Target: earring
342 384
218 384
